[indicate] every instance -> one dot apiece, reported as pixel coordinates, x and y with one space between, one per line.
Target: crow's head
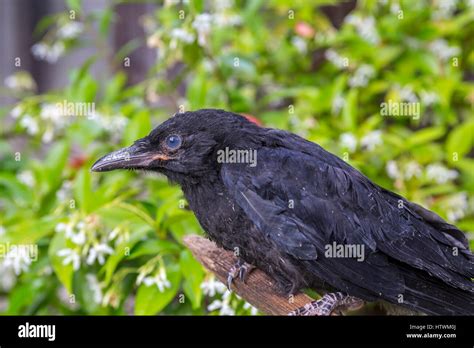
185 145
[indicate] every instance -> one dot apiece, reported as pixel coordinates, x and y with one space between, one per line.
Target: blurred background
72 242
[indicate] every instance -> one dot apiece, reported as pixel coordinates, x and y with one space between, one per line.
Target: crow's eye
173 142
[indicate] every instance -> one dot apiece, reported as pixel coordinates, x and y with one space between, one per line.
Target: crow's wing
304 203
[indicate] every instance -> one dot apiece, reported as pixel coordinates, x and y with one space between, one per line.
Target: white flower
395 8
175 2
371 140
18 258
19 82
112 124
392 170
70 256
444 9
26 177
70 30
223 305
349 141
440 174
94 285
223 20
159 279
365 27
407 94
98 252
203 25
182 35
208 65
253 310
66 298
2 230
65 191
412 169
60 227
441 49
428 98
17 111
54 114
77 237
362 76
11 82
299 43
457 206
119 235
49 53
48 135
212 287
335 58
40 50
30 124
337 104
413 43
222 5
7 277
114 233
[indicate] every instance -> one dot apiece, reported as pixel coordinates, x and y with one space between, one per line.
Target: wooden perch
259 289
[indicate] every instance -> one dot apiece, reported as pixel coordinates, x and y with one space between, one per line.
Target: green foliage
112 243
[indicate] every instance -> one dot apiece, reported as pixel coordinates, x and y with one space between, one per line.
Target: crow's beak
133 157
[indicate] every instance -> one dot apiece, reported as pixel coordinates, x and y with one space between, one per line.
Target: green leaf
138 127
29 231
63 272
114 88
349 112
105 21
55 162
83 190
197 6
26 298
85 294
14 190
87 89
142 214
150 300
197 91
154 247
127 49
193 275
77 76
74 5
460 141
122 250
424 136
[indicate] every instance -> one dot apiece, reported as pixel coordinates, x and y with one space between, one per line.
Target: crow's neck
208 199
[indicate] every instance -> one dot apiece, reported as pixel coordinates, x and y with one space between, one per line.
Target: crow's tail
432 296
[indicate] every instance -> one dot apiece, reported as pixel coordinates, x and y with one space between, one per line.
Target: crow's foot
330 304
240 269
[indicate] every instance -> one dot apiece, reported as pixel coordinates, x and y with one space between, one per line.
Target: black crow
305 217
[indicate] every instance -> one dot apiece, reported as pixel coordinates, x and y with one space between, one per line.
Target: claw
329 304
242 272
240 269
230 278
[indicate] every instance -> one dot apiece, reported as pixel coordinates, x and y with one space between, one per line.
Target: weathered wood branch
259 289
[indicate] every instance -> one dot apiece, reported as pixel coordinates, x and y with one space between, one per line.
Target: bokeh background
75 242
